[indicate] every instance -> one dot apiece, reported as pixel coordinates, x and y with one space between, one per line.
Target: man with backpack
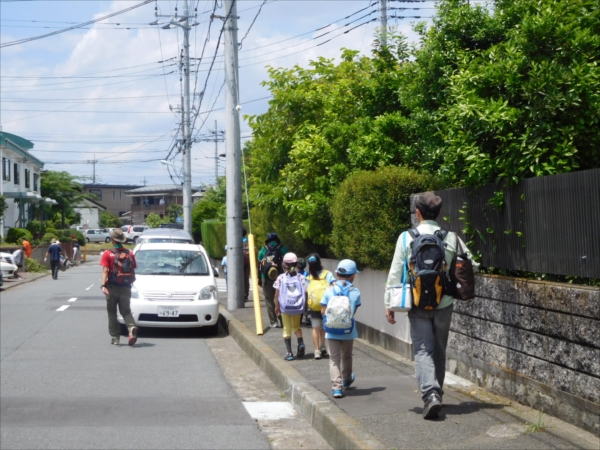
118 274
429 253
270 260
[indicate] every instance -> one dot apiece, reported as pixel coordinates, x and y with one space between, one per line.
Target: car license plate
168 311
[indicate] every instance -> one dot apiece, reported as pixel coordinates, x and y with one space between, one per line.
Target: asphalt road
64 386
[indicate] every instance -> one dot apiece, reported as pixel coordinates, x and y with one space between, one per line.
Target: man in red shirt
117 279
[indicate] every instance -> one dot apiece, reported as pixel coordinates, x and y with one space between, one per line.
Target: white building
89 211
20 180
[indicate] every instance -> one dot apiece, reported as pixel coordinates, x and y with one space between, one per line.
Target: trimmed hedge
370 211
14 235
214 237
47 238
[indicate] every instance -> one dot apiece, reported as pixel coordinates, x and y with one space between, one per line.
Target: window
17 174
114 195
120 196
36 181
6 169
97 193
27 178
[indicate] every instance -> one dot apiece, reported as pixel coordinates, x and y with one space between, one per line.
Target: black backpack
428 271
273 258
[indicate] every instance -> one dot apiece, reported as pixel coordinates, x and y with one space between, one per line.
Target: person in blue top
340 345
224 265
54 251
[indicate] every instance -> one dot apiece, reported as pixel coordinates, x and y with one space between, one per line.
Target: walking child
338 306
224 265
290 302
318 281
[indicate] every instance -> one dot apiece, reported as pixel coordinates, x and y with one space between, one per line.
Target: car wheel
212 330
107 240
135 239
87 240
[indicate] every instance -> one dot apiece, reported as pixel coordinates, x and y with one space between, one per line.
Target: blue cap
347 267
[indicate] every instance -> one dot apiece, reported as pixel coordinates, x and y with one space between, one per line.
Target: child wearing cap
317 282
291 283
340 345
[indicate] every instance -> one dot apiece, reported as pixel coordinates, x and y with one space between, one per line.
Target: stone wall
535 342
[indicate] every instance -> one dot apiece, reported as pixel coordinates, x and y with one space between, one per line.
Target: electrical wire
251 24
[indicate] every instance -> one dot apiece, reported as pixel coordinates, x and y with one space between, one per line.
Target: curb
339 429
6 287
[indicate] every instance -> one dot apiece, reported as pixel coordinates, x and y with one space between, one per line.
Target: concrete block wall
535 342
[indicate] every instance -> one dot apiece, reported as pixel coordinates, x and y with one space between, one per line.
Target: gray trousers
269 292
429 331
340 361
118 296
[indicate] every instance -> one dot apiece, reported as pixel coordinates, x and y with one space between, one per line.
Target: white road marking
88 288
270 410
221 285
73 299
63 307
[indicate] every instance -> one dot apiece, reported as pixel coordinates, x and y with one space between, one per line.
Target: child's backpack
270 265
122 271
291 295
338 315
316 289
428 268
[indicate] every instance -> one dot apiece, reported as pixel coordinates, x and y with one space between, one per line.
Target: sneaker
348 383
323 350
274 324
301 350
317 354
337 393
133 335
433 405
115 340
289 357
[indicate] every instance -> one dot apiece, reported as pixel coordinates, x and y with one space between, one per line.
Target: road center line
63 307
88 288
73 299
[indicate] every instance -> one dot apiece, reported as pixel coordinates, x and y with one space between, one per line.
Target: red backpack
122 271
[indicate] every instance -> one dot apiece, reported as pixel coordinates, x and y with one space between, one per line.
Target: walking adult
429 328
54 252
118 274
270 260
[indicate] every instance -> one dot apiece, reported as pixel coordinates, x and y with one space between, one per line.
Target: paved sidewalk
384 401
26 277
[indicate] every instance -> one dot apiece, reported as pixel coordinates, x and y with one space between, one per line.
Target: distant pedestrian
318 281
339 305
76 254
224 265
55 251
290 301
19 258
246 255
429 328
28 251
118 274
270 260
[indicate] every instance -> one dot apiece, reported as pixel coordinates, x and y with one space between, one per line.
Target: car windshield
171 262
159 240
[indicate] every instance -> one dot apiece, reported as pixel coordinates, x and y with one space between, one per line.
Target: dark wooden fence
548 224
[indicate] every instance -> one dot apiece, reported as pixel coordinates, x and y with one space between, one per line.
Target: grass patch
104 246
538 426
34 266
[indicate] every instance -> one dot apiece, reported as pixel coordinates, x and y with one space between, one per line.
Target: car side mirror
215 271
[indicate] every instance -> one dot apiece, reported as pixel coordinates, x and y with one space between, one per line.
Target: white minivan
174 288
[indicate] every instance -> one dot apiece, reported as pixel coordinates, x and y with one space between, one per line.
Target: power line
252 23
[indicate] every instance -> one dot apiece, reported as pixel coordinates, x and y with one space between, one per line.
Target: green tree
3 205
66 190
153 220
174 211
108 220
201 211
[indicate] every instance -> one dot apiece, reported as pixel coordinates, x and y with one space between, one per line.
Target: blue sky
101 91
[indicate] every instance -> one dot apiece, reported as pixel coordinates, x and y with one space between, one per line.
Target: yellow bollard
254 278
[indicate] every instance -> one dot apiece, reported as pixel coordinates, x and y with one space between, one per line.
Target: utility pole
216 155
183 22
235 263
383 21
93 162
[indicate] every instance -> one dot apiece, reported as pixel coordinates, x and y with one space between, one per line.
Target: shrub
15 235
77 236
50 229
47 238
214 237
371 209
33 265
36 228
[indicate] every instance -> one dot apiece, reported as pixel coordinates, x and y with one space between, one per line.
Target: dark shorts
315 314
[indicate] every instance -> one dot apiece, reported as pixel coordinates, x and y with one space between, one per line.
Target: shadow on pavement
461 409
353 392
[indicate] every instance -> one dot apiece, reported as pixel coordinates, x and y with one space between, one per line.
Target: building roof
20 146
111 186
91 204
158 188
